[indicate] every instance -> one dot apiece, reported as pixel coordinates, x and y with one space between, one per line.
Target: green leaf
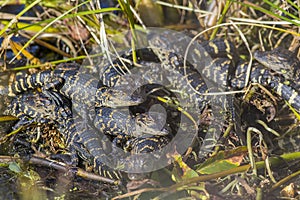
15 167
224 160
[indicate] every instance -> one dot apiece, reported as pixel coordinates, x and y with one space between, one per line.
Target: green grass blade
297 23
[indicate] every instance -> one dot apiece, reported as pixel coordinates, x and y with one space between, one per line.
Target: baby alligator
229 71
267 77
224 70
80 137
68 80
282 61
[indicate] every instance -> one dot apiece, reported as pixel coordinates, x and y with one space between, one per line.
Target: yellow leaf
187 172
16 47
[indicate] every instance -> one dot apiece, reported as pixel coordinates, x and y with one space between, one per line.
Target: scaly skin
67 79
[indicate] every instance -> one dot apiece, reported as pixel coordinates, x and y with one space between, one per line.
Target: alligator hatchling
90 111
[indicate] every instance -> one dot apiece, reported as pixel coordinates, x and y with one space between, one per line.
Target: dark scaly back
199 54
282 61
35 105
148 144
172 62
113 122
40 79
66 79
79 136
80 87
267 77
90 143
116 122
258 74
216 49
221 48
111 73
208 66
